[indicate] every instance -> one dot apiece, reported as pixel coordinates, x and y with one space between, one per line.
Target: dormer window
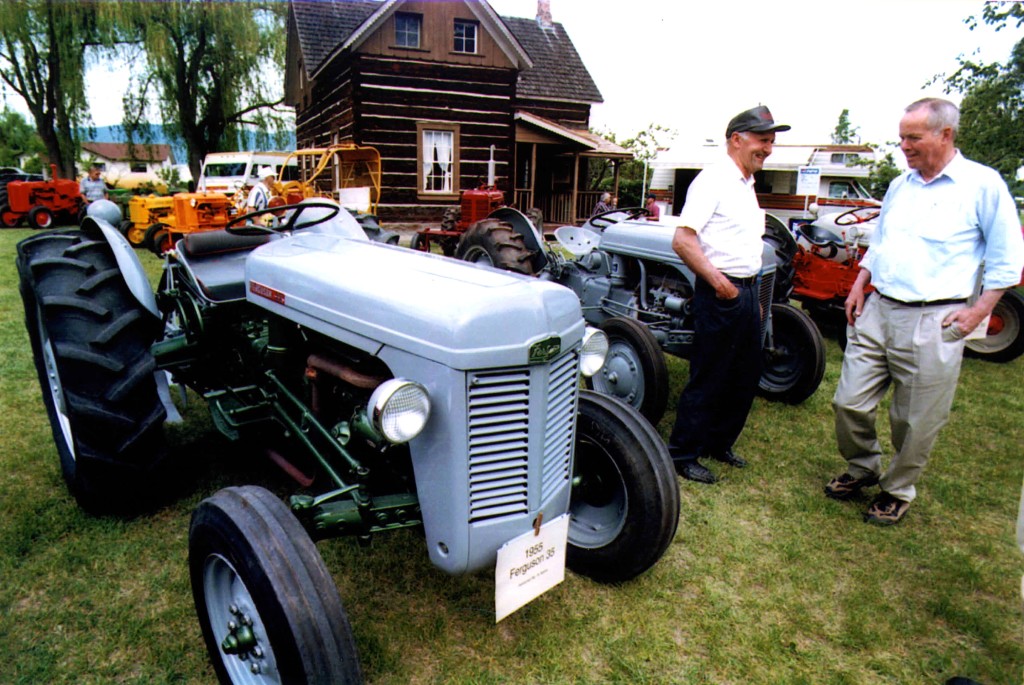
465 36
407 29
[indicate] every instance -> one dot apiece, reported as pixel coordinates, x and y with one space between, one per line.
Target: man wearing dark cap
718 236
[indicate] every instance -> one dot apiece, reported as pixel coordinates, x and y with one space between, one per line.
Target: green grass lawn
767 580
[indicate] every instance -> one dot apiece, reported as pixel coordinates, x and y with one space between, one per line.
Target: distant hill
115 134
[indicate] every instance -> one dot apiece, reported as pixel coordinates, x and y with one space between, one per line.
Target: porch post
616 163
575 187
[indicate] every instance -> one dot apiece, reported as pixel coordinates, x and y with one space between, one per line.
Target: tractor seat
817 235
216 261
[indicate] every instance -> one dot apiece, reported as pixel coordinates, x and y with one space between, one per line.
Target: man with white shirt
940 221
719 237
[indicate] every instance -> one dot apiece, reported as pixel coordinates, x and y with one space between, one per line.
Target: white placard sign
808 180
530 565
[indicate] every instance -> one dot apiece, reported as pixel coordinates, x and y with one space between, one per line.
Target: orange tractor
43 203
157 222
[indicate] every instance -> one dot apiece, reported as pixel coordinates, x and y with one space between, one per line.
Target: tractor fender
532 238
127 261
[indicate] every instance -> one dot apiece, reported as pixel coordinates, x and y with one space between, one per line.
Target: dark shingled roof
323 26
558 72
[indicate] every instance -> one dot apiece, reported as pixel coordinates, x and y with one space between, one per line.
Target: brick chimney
544 14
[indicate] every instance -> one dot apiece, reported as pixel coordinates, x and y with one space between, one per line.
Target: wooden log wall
391 96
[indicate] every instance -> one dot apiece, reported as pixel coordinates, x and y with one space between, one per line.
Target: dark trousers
725 368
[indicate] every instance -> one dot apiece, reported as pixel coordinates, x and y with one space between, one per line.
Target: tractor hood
371 296
644 240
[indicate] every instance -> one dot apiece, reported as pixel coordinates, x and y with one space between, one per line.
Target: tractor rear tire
9 219
260 586
793 366
1005 341
495 243
624 505
40 217
90 341
634 370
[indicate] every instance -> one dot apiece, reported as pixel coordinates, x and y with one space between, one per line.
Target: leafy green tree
992 108
644 146
845 132
881 173
211 68
42 58
18 139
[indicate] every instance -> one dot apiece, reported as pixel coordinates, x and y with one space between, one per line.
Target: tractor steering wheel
298 215
606 218
857 215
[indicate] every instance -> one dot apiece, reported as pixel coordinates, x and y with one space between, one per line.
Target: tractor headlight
399 409
595 349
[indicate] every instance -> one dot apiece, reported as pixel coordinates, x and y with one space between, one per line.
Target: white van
226 172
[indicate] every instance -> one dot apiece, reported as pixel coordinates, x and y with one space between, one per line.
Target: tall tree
992 108
42 59
845 132
211 67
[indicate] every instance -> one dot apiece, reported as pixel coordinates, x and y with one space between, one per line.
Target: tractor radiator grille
764 295
562 387
499 435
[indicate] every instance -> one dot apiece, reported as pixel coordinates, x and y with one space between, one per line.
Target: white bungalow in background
124 166
841 171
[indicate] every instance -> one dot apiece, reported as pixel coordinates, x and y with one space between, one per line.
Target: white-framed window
138 167
438 159
408 27
465 36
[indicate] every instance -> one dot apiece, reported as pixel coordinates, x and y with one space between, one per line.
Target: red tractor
475 205
43 202
824 260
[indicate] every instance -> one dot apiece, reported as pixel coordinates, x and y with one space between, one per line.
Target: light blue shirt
933 236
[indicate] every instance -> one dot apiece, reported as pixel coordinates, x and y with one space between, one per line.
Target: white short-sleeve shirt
721 206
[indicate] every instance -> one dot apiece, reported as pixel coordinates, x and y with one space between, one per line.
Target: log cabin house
447 90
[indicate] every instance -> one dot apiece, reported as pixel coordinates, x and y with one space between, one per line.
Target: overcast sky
690 65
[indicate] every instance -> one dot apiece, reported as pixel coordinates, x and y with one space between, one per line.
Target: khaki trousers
892 344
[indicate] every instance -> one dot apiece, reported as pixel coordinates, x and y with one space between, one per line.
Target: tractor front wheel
624 506
158 239
793 359
1005 339
90 341
495 243
8 218
267 605
40 217
634 369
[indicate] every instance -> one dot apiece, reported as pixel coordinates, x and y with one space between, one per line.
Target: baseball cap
759 120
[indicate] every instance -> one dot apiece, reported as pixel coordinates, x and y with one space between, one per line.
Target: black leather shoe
695 471
731 458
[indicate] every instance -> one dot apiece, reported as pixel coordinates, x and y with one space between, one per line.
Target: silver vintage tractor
386 382
633 285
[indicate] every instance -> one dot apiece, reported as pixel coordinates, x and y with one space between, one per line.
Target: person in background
603 205
718 236
259 196
92 186
653 211
947 224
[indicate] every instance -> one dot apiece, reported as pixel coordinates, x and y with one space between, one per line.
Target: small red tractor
474 206
42 202
824 263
